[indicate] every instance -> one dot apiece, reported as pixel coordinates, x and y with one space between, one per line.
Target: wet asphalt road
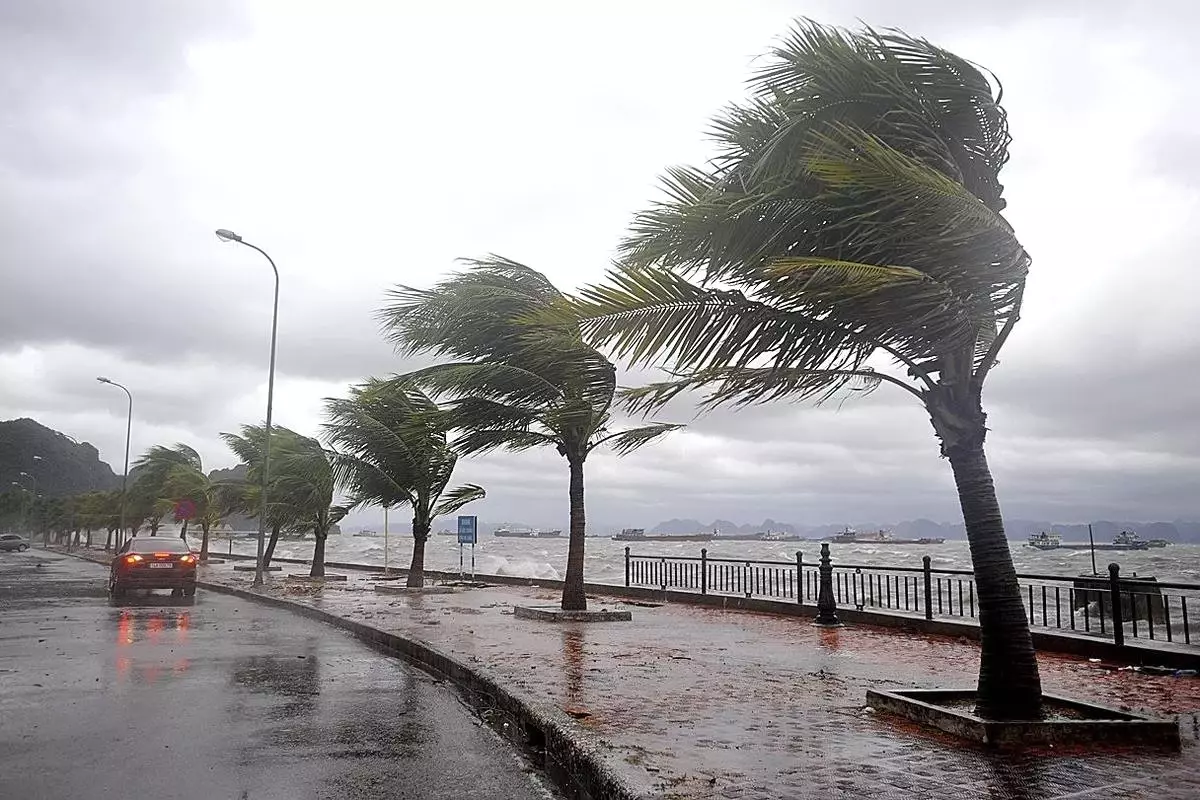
223 698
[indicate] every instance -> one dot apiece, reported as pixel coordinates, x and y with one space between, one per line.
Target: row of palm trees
848 235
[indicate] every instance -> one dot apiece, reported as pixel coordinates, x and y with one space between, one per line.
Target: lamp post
229 236
125 474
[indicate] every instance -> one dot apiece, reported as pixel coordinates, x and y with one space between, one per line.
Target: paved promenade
695 703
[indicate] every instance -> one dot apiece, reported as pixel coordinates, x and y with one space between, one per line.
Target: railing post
799 579
1114 589
703 570
826 607
926 561
627 566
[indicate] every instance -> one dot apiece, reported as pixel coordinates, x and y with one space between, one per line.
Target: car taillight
133 558
162 555
186 559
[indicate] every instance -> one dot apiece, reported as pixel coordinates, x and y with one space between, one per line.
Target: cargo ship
1125 540
851 536
640 535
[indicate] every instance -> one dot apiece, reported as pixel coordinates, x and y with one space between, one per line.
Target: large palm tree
518 380
850 223
391 449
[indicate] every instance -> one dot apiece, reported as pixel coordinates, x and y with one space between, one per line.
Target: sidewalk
697 703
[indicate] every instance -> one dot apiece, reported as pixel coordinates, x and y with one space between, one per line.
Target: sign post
467 534
386 569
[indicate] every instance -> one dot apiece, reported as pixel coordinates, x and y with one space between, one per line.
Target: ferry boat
506 531
639 535
1044 541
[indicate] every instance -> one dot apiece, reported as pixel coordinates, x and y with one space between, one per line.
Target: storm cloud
369 144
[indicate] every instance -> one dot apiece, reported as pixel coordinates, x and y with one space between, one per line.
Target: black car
153 562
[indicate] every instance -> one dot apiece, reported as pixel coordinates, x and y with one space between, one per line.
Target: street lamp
229 236
125 475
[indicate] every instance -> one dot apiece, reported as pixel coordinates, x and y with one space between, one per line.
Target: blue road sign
467 529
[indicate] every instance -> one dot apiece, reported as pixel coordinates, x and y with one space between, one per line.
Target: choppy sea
546 558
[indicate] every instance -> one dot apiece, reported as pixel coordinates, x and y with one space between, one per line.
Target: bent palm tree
520 382
391 449
248 446
176 474
302 481
852 218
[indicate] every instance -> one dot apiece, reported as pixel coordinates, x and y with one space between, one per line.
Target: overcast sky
365 144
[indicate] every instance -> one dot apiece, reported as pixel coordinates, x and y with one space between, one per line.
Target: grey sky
365 144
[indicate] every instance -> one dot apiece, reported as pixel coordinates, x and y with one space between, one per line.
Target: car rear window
10 536
158 544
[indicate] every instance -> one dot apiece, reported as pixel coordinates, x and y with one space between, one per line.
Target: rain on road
222 698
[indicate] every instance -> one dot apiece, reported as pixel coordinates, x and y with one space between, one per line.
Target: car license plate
161 565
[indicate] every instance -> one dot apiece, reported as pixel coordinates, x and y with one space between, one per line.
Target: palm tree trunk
204 541
108 541
183 531
1009 684
416 568
270 551
573 598
318 561
89 538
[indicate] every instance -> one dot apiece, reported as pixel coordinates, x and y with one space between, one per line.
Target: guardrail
1084 604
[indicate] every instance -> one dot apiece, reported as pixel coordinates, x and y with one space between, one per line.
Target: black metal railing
1086 604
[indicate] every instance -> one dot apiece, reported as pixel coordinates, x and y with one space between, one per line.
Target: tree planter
1067 722
250 568
301 577
556 614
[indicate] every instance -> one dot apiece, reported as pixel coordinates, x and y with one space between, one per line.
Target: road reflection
137 629
573 658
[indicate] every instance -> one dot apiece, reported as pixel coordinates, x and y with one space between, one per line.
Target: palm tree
391 449
299 489
177 474
302 480
519 381
850 221
248 446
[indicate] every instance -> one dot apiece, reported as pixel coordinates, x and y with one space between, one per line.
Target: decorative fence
1085 604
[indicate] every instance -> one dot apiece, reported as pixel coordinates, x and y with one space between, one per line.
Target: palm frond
456 498
476 441
748 386
626 441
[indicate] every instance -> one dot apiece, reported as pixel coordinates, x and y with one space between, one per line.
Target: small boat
368 534
639 535
1158 542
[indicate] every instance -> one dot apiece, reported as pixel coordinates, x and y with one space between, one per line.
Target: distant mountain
680 526
56 463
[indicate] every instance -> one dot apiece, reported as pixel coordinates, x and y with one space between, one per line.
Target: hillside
57 463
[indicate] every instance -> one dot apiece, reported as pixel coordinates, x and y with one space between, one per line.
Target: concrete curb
574 765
